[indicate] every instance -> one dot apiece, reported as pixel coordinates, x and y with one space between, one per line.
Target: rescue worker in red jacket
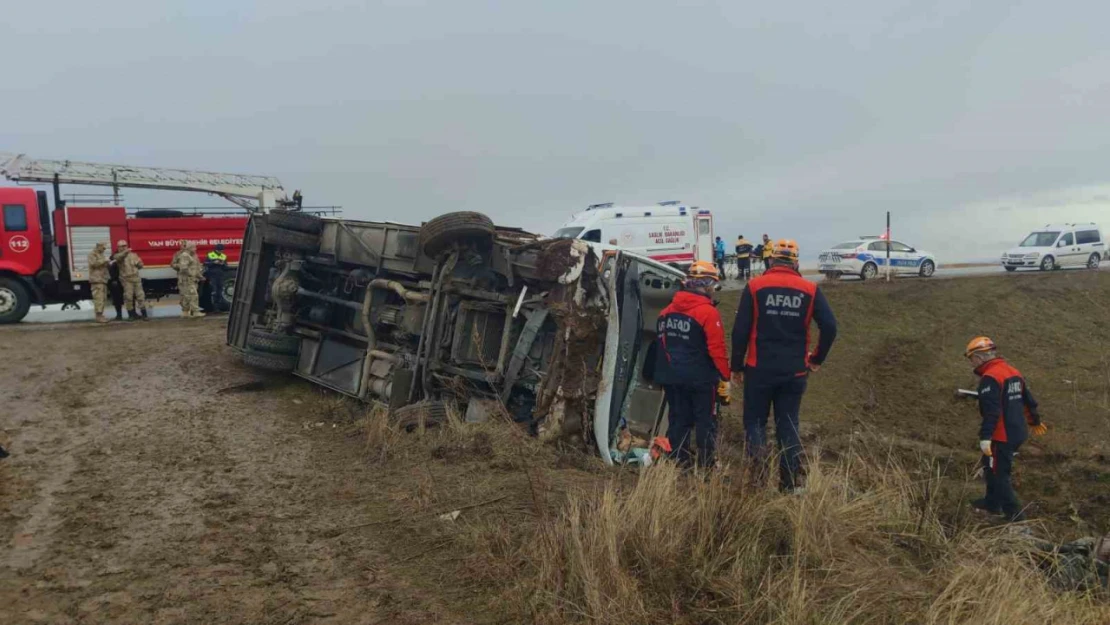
691 362
771 358
1009 412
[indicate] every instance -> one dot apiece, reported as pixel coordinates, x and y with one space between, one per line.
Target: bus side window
15 218
593 236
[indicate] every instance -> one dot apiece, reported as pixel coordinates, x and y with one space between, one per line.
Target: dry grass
868 543
874 540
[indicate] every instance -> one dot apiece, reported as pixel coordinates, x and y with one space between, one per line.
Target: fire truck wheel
15 301
431 413
271 362
260 340
439 234
291 239
292 220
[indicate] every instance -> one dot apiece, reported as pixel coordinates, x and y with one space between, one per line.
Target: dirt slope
899 360
138 494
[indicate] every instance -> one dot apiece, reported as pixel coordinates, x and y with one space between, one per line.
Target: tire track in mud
150 498
52 423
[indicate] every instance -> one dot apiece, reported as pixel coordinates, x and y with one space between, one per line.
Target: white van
1053 247
669 232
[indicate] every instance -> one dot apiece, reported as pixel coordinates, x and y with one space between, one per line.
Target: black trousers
784 394
743 268
692 408
998 470
216 284
115 290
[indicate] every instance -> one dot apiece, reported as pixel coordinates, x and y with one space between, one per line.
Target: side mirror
1059 244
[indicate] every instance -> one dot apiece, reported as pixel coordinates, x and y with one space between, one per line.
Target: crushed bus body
456 314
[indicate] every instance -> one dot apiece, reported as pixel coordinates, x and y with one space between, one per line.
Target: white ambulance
668 232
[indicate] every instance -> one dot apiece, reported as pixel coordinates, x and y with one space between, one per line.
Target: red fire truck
44 252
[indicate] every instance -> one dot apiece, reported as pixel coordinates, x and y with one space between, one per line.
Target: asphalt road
54 313
941 274
169 308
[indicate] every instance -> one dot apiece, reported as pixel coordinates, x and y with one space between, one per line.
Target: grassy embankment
882 536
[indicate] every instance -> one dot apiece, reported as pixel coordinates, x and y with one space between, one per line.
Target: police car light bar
602 205
670 203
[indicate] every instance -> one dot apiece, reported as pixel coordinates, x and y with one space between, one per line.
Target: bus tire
439 234
291 239
260 340
293 220
281 363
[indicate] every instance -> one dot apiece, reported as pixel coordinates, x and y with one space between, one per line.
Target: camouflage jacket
129 265
176 259
188 267
98 268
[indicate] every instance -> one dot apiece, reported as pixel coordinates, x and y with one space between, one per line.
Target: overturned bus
457 314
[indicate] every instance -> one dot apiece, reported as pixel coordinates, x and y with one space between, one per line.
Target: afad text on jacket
771 335
690 342
1004 401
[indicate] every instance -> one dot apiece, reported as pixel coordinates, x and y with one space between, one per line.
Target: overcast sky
972 121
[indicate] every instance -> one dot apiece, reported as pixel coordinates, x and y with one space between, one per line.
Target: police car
866 257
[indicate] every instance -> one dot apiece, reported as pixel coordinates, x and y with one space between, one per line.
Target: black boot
119 313
985 506
145 316
131 316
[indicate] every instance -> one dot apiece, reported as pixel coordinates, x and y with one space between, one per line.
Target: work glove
1039 430
985 447
724 392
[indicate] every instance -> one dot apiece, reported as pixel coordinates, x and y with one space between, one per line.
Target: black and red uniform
770 344
690 361
1007 408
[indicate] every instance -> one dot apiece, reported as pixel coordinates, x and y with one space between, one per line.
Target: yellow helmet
786 249
979 344
701 269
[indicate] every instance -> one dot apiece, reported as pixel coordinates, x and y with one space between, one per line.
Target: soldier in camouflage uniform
98 279
178 253
133 296
189 272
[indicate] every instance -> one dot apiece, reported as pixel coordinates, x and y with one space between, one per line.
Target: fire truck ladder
254 193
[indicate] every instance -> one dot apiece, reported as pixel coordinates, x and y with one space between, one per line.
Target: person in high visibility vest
768 251
215 265
743 258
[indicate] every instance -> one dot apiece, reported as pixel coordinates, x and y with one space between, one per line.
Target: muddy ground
137 492
147 486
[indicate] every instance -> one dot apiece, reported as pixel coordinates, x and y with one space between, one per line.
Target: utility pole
888 268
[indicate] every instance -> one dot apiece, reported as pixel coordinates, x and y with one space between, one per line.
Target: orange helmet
979 344
700 269
786 249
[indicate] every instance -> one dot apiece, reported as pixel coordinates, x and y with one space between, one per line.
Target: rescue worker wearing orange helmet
691 363
772 359
1009 413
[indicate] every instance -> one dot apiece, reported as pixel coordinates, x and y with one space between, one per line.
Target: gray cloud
796 120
